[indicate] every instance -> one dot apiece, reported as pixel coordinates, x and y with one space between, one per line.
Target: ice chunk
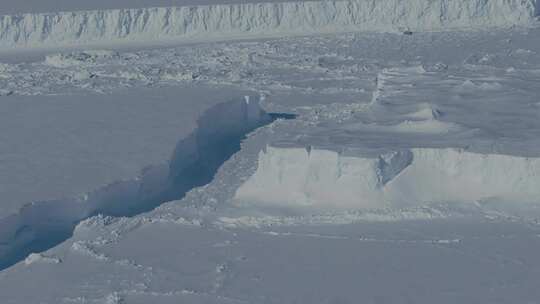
40 258
328 179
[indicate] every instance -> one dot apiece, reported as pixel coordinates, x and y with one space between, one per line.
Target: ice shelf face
258 19
321 178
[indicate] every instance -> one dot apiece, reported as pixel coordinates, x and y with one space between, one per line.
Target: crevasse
261 19
41 225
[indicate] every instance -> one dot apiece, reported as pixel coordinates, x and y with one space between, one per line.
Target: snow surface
420 108
217 21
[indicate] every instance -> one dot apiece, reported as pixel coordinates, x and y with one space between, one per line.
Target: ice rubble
258 19
288 176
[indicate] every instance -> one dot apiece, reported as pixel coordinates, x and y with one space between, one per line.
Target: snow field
223 21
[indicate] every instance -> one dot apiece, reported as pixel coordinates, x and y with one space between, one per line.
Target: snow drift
258 19
327 179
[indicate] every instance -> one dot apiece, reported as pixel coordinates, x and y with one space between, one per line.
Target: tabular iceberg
297 177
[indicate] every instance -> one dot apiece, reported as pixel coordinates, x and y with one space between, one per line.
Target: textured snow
258 19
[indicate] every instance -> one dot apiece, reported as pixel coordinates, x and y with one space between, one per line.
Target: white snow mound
327 179
40 258
258 19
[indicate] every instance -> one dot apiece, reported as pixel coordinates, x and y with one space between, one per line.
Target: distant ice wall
320 178
258 19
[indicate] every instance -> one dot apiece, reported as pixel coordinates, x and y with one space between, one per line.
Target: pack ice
257 20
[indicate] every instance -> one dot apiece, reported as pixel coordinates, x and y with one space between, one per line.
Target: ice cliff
41 225
222 21
327 179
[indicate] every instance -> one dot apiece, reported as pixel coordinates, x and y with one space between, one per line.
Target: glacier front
244 20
